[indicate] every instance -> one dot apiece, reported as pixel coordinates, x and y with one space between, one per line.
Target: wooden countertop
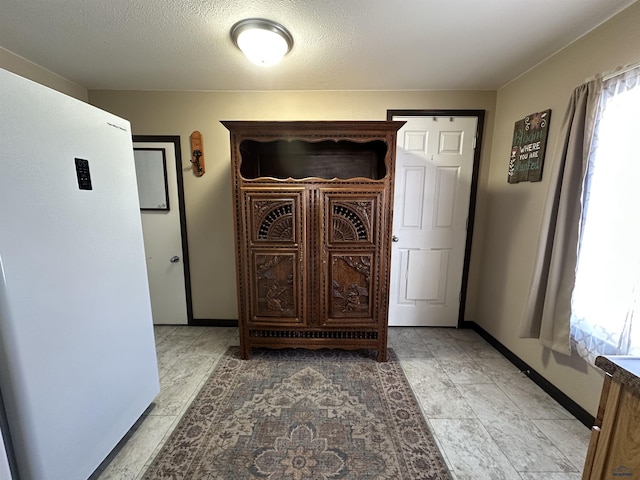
623 369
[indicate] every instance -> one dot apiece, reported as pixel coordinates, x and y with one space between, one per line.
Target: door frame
479 114
175 140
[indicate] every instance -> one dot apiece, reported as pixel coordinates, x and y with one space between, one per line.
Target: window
605 306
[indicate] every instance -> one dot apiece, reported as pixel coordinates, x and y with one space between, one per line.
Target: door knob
395 239
174 259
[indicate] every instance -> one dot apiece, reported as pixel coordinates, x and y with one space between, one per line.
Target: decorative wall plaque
528 147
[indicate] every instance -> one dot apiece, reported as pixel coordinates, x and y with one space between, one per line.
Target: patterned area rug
302 415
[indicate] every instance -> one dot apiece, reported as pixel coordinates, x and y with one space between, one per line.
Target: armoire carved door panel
276 289
275 224
274 217
350 222
351 295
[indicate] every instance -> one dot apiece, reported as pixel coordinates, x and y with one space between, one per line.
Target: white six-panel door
434 168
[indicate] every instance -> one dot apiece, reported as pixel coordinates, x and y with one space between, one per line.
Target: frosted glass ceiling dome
262 41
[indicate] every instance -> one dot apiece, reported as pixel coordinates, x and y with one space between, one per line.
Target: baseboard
572 407
213 322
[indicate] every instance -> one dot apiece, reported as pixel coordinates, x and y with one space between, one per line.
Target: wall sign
528 147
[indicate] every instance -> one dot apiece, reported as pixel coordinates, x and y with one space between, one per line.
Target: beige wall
20 66
208 198
514 212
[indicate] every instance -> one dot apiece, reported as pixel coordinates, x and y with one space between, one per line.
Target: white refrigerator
77 352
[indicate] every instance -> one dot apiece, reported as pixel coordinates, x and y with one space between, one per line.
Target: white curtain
605 304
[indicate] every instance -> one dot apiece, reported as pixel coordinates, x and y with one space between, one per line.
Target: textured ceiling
339 44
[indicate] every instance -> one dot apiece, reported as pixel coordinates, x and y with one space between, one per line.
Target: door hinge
474 142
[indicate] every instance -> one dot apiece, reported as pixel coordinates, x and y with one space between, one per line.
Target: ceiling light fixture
262 41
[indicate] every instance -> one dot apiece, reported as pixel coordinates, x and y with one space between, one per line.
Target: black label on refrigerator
82 171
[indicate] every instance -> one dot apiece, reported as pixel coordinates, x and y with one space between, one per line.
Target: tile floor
490 421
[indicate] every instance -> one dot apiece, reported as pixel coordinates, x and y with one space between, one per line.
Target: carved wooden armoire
312 210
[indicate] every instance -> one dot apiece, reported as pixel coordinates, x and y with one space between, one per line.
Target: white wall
23 67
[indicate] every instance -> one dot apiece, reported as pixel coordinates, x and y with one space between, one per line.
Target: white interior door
434 169
163 244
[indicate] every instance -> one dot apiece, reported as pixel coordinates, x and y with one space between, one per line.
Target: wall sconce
262 41
197 153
